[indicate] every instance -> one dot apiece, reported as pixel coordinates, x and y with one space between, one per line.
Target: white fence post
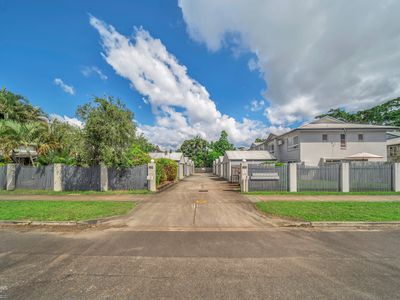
103 178
292 177
11 176
57 177
396 177
244 177
345 177
151 176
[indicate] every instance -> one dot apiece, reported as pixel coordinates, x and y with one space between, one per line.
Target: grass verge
46 192
310 193
332 211
61 210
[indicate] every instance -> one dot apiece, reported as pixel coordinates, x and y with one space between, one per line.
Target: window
392 150
293 143
360 137
343 141
272 148
324 137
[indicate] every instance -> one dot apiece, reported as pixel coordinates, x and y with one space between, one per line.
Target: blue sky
217 58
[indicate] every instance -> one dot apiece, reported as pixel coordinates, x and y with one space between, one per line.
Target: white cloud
182 106
66 88
257 105
322 54
89 71
65 119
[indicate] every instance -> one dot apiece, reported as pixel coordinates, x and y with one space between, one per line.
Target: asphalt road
273 264
220 248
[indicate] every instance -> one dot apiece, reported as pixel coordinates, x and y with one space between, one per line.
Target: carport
232 160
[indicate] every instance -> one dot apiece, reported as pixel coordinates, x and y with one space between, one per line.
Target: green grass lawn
47 192
310 193
61 210
332 211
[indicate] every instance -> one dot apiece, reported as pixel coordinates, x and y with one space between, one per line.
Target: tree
144 145
218 148
387 113
108 133
15 107
196 149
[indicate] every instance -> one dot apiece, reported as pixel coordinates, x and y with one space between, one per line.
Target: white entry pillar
244 177
396 177
292 170
151 176
11 168
345 177
103 178
57 177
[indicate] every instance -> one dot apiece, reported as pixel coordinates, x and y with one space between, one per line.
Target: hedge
166 170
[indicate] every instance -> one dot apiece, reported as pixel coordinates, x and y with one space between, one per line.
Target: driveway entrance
201 201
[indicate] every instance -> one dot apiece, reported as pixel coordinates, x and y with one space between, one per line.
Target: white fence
345 177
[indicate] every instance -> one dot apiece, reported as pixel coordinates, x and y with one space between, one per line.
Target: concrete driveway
198 202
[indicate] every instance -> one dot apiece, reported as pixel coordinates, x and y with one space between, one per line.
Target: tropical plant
166 170
108 133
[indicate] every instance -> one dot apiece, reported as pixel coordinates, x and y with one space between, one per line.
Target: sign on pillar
151 176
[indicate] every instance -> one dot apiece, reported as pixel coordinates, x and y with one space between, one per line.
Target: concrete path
198 202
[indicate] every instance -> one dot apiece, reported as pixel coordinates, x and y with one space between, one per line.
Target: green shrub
166 170
137 157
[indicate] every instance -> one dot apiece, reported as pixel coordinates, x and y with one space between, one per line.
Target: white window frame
343 143
292 144
325 140
362 137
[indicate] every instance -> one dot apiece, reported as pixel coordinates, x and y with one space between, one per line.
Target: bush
166 170
138 157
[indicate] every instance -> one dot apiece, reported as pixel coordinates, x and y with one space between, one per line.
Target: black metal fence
265 177
371 176
34 178
76 178
128 178
318 178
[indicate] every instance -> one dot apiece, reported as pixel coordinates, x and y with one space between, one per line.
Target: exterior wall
312 148
393 152
288 155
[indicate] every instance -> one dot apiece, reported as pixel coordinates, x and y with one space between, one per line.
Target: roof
395 141
364 155
177 156
329 123
249 155
393 134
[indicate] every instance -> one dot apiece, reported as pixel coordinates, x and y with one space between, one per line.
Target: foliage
17 108
137 157
144 144
196 149
108 133
166 170
259 140
385 114
203 153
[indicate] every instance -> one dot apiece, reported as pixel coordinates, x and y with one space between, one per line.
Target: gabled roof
177 156
249 155
395 141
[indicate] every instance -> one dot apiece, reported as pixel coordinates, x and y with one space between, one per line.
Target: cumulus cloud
182 106
65 119
89 71
69 89
313 55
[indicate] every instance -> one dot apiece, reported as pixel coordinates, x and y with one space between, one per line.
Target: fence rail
127 178
319 178
277 178
203 170
34 178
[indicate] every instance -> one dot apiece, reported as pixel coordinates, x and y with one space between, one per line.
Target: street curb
355 224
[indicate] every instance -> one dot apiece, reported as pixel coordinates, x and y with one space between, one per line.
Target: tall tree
384 114
196 149
109 131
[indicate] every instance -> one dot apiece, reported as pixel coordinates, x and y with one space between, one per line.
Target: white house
264 144
393 146
331 140
232 160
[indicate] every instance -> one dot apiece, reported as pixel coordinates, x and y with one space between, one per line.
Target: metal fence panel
127 178
268 185
318 178
3 177
34 178
76 178
370 176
